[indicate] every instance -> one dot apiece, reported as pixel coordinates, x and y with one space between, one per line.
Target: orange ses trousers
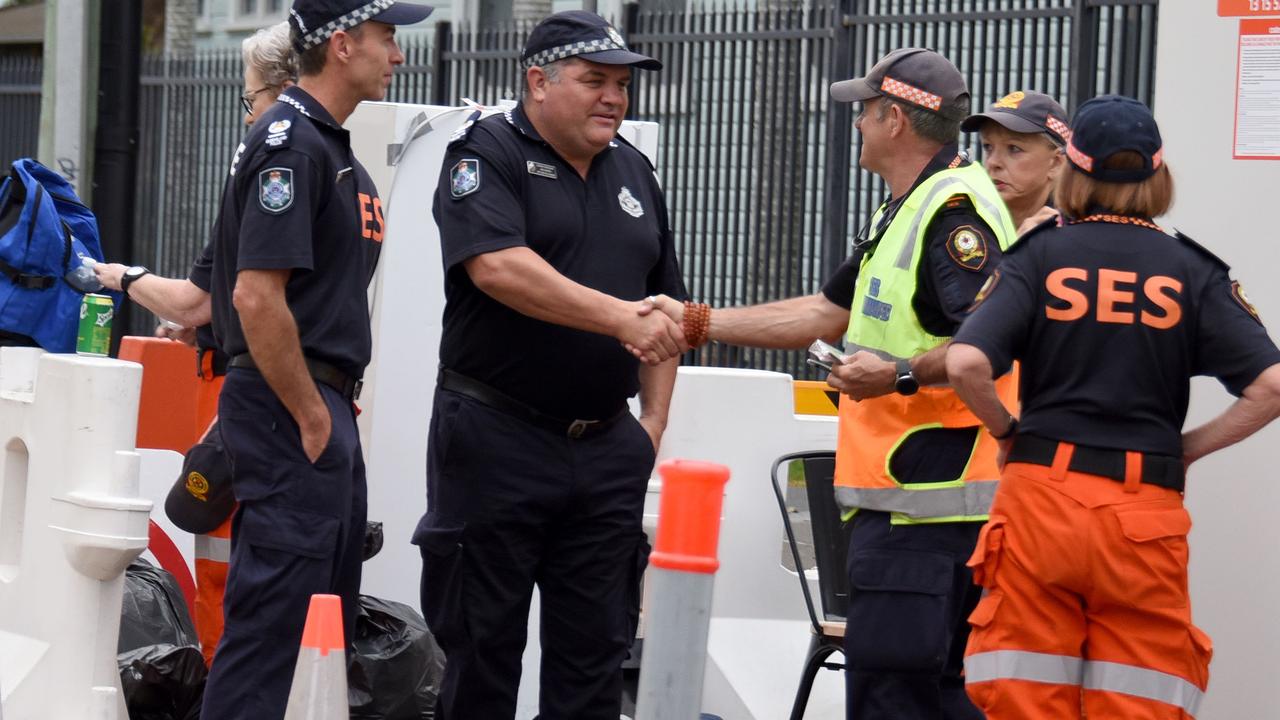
1085 610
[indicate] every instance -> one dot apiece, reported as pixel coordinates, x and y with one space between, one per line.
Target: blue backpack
45 232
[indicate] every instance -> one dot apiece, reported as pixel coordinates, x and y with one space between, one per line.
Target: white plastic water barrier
70 523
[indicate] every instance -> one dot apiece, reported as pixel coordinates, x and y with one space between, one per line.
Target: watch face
906 385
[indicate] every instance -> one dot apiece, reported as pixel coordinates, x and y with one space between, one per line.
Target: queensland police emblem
275 189
968 248
616 37
464 178
629 204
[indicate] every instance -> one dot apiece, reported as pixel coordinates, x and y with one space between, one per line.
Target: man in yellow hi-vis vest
915 471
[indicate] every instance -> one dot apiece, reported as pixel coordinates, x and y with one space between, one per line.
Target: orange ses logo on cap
1012 100
198 486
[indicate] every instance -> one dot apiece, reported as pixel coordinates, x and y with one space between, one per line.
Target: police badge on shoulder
275 189
464 178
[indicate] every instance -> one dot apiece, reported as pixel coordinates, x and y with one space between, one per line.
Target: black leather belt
347 386
1162 470
481 393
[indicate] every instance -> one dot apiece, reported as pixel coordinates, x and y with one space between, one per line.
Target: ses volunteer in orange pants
1084 560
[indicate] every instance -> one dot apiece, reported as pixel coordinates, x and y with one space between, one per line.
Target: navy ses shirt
501 187
1110 322
946 284
298 200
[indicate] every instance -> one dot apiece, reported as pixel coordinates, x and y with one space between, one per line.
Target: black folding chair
830 540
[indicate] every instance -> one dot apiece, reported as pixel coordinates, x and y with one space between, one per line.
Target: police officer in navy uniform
294 248
1084 560
553 230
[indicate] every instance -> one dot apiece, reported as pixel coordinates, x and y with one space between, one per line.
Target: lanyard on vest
868 240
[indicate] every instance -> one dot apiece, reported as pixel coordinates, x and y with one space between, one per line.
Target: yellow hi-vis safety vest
882 321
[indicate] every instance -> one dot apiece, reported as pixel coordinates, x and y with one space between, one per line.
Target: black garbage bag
162 671
154 611
396 666
163 682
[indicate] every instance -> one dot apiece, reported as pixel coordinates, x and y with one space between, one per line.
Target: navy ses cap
578 33
1111 124
1025 111
314 21
918 76
202 498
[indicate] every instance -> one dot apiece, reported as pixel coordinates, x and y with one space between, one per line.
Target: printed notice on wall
1258 91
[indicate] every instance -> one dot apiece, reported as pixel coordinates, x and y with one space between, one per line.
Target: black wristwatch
130 275
906 383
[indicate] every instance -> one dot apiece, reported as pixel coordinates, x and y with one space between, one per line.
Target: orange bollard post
319 690
679 590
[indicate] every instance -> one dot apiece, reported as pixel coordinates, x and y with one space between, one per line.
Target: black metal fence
19 107
759 167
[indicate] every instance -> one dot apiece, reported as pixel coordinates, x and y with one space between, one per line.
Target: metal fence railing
759 168
19 107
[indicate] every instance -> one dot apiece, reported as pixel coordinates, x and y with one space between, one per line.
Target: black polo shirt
1110 322
201 275
298 200
501 187
946 285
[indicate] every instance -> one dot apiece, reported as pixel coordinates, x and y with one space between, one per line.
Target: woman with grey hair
270 66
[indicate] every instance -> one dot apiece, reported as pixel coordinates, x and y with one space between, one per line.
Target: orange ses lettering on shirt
1115 297
370 217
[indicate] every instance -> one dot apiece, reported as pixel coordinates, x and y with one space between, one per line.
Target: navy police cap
315 21
1112 124
578 33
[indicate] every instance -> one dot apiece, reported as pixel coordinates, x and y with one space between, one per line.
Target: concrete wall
1234 497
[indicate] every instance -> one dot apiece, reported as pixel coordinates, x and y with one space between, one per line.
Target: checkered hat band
1082 161
344 22
550 55
1059 127
911 94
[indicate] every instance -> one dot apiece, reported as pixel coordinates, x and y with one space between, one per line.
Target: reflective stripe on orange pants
213 553
1085 610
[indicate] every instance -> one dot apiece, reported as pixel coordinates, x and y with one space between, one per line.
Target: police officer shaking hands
554 229
295 245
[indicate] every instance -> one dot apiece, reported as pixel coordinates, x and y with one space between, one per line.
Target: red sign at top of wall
1245 8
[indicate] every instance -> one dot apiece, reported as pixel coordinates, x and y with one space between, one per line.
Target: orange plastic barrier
689 516
167 416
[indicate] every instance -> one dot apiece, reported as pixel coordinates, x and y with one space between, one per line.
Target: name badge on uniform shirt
542 170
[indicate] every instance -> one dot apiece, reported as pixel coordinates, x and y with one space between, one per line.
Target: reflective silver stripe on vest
852 347
971 500
1144 683
1023 665
1093 675
213 548
913 234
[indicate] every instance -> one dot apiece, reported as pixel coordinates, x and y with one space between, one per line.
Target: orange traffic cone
319 690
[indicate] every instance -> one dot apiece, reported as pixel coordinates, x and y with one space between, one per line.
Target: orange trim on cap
323 631
1084 162
689 516
1157 159
911 93
1059 127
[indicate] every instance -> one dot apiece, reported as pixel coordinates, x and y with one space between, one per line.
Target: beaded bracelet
697 323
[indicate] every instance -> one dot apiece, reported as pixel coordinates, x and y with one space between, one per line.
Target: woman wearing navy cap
1084 561
1023 134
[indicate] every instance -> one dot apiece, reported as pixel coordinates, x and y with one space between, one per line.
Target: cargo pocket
635 586
987 551
980 690
1154 562
284 548
440 540
898 620
1202 647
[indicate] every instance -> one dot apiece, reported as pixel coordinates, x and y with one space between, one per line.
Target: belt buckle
578 427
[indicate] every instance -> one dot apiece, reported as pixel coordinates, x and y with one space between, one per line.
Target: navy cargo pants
510 504
299 530
910 596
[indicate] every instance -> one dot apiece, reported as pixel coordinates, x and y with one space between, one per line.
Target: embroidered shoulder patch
275 189
968 248
1237 294
464 178
985 292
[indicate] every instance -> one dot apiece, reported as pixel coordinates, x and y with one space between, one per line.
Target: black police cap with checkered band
578 33
315 21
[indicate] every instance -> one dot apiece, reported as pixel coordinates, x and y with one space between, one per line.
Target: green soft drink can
94 337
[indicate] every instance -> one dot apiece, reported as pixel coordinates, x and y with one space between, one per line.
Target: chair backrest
820 528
